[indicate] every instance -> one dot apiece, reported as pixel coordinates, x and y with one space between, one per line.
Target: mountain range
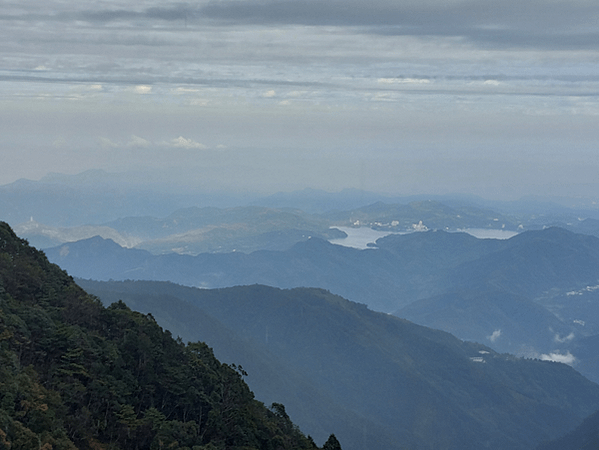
136 212
515 295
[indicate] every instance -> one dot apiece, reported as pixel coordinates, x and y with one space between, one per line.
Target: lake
362 236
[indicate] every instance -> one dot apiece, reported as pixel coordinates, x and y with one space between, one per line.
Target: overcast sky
492 97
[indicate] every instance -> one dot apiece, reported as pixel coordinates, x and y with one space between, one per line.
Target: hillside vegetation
332 361
76 375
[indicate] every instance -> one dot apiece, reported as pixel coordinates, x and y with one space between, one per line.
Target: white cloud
142 89
557 338
404 80
269 94
419 226
107 143
492 82
182 90
296 94
381 97
138 142
134 142
199 102
494 336
181 142
568 358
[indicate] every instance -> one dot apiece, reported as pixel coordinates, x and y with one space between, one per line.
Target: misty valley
299 225
450 323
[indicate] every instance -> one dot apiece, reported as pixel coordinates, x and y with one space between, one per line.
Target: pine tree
332 443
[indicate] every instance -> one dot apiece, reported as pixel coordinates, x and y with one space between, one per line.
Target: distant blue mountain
512 295
403 269
96 197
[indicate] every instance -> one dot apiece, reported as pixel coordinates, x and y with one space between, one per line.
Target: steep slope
76 375
270 377
426 388
584 437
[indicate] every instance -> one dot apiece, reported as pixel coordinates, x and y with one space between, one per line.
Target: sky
497 98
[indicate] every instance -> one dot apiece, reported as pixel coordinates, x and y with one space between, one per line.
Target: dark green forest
77 375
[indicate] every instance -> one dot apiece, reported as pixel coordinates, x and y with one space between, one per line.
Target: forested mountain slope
424 388
76 375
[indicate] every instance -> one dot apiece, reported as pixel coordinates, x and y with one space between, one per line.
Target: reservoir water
359 237
363 236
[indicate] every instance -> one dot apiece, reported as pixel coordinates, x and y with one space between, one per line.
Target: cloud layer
487 96
539 24
542 24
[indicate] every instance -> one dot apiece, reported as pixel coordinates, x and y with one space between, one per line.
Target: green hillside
76 375
420 388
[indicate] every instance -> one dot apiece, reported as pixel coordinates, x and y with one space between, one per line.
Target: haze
495 98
